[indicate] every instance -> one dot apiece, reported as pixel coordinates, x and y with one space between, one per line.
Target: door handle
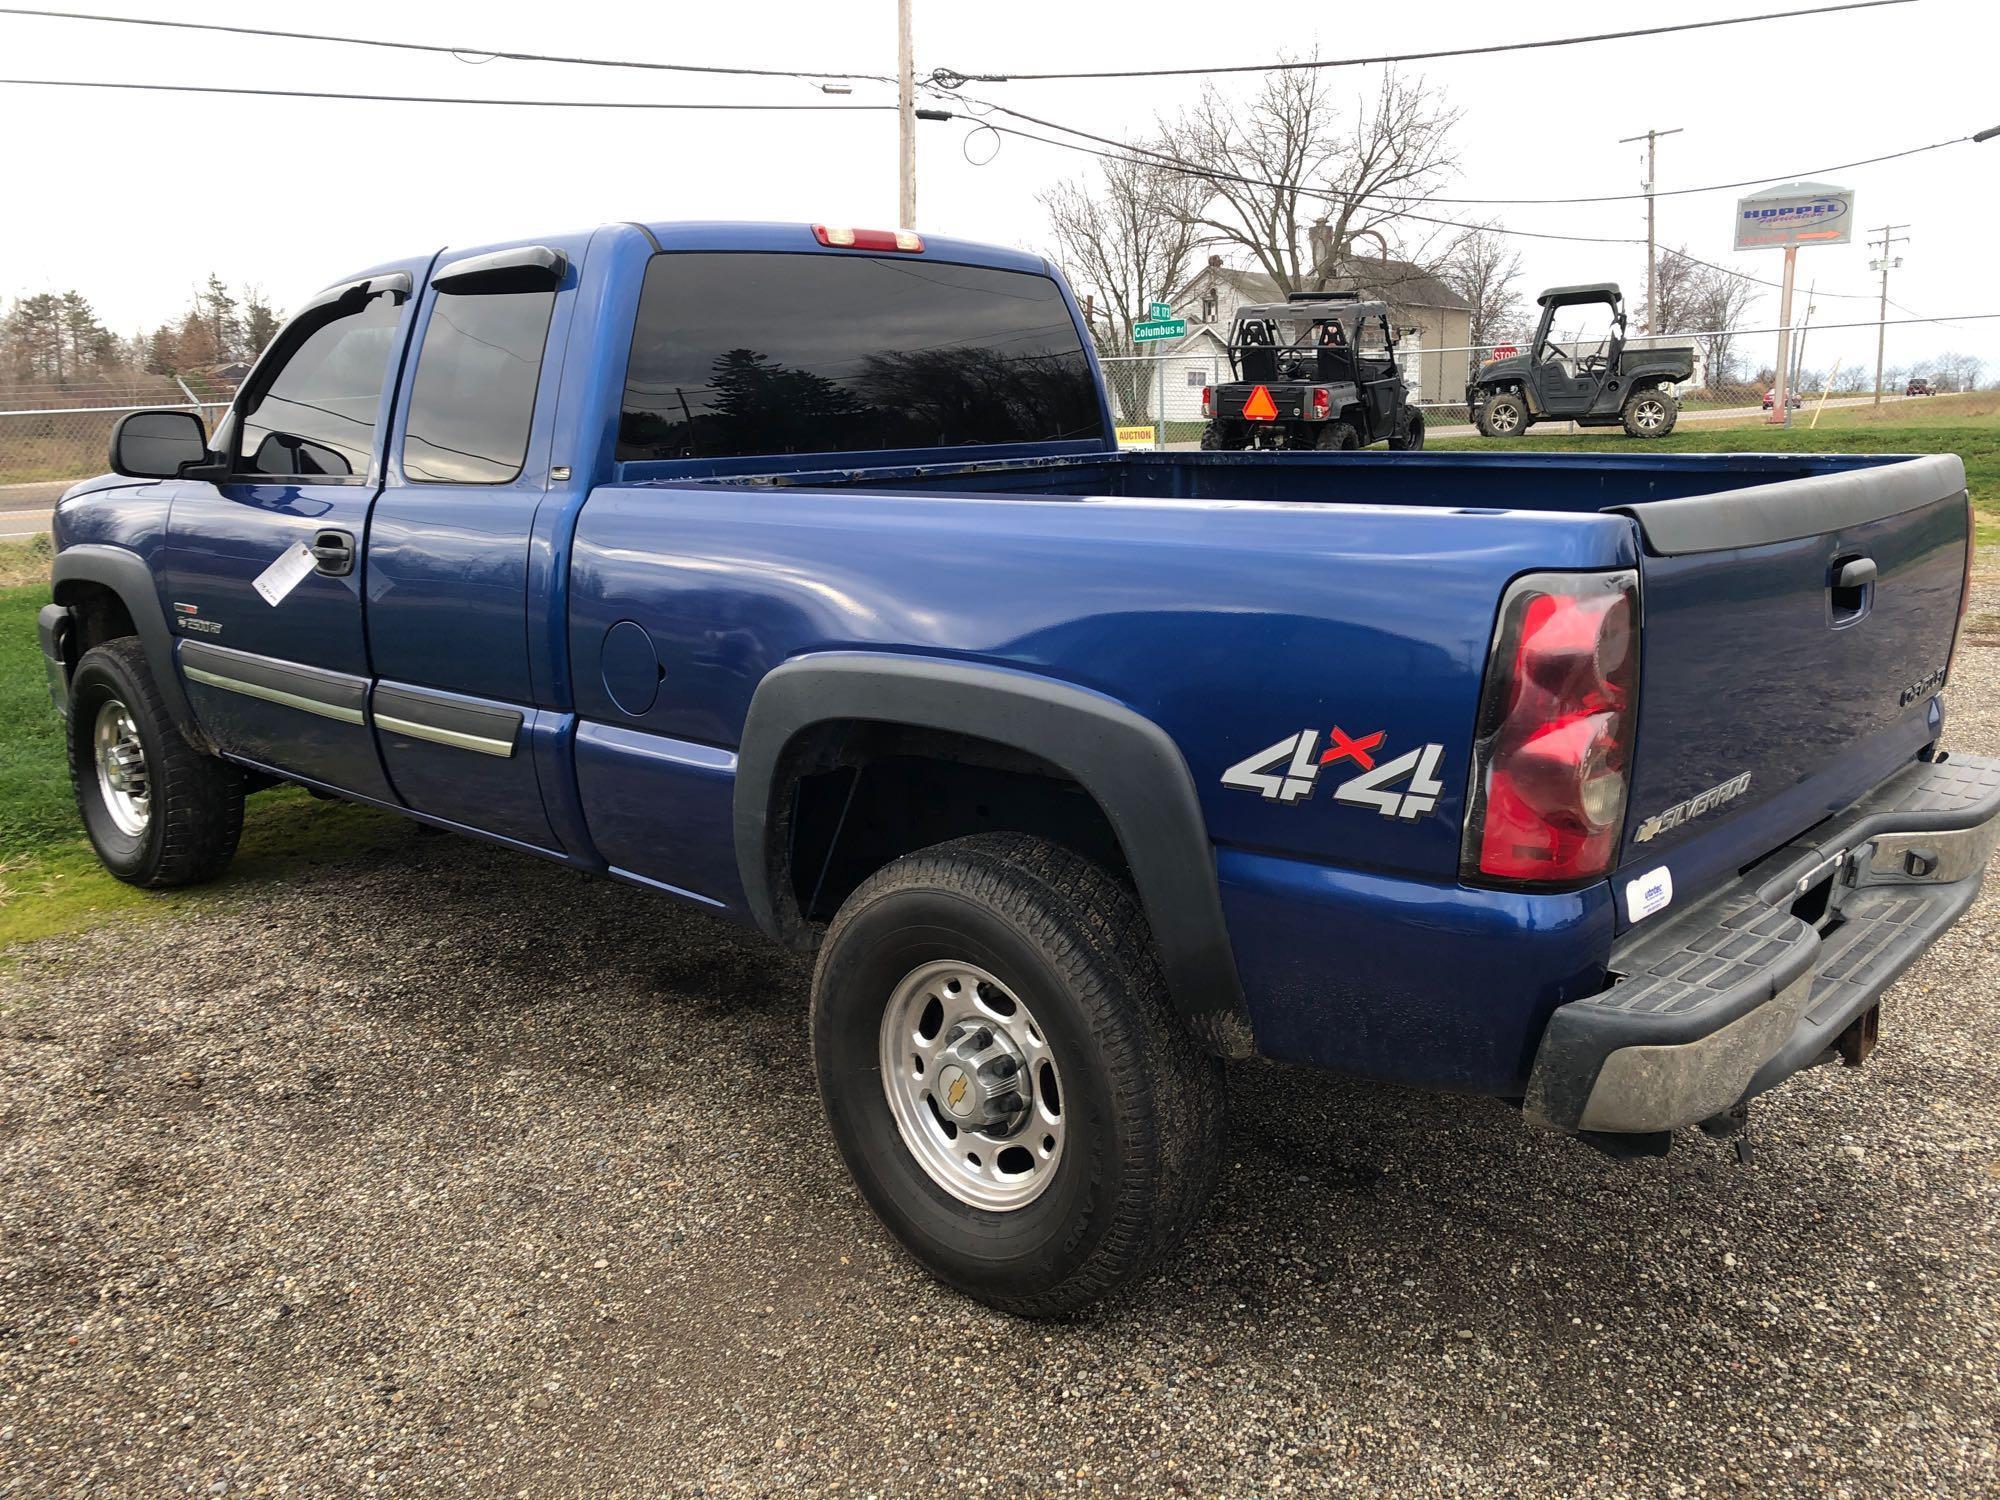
1855 573
333 552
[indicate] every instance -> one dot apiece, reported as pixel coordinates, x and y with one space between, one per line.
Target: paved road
435 1170
25 508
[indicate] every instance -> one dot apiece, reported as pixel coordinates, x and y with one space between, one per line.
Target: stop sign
1504 351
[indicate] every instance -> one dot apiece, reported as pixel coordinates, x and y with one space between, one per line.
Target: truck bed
1574 482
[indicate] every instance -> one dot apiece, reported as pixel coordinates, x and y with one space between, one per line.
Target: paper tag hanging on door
291 569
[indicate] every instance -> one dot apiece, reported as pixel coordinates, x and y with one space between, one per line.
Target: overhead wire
953 77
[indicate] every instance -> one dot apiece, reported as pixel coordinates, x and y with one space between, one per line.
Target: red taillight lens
1322 402
1207 401
1554 742
840 238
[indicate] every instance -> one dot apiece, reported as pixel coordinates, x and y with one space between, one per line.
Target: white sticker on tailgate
293 567
1651 892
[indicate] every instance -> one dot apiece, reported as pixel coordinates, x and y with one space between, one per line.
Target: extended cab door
263 563
449 544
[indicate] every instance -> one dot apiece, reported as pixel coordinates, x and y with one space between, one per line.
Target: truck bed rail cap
1794 508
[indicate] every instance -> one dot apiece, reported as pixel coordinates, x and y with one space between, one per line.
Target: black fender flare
126 575
1124 760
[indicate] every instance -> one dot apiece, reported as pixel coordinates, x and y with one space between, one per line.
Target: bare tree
1958 372
1484 269
1680 285
1124 240
1289 161
1717 310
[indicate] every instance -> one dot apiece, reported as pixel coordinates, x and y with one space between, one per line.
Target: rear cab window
747 353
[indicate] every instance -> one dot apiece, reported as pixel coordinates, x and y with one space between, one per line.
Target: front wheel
1651 413
1503 414
158 811
1004 1074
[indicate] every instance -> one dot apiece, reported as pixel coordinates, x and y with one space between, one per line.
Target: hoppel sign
1799 213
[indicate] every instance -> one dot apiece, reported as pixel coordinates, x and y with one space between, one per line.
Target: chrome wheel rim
1502 419
123 781
972 1085
1649 413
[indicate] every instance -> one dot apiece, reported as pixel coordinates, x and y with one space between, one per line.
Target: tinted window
773 353
318 417
474 394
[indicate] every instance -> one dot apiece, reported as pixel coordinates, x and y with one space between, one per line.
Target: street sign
1159 328
1798 213
1159 312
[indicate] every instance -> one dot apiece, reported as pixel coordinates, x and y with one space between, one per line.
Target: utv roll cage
1310 336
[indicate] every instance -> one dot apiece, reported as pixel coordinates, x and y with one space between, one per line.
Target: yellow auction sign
1139 437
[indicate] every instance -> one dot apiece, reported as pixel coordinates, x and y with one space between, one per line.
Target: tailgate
1795 639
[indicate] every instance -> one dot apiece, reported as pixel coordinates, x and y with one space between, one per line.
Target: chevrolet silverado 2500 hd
793 572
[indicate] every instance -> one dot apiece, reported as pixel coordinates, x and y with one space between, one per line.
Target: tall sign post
1784 218
1156 329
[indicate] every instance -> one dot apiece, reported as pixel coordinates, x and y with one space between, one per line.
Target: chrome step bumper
1731 997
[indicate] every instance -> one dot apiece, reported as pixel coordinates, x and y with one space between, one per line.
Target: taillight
1322 402
1552 753
1207 402
840 238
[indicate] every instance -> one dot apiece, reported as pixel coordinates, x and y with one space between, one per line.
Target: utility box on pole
1786 217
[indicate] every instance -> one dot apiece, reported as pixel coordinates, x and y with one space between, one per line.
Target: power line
1712 187
482 54
208 88
1188 169
952 78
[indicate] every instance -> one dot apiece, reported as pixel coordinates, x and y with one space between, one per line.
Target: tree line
55 340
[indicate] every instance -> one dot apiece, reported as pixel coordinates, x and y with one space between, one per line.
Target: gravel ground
445 1170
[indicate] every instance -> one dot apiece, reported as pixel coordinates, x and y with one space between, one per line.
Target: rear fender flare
1125 761
126 575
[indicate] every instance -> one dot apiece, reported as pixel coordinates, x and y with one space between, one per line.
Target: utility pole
1651 138
1885 265
906 122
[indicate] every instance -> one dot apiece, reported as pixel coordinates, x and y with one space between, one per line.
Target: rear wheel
1651 413
1214 439
1408 435
1336 435
1504 414
1004 1074
158 811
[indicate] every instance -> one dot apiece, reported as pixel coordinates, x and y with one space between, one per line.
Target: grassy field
50 882
1966 425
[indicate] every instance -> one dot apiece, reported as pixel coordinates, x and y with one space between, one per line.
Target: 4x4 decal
1287 772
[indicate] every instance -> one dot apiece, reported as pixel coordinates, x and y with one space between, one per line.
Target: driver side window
317 419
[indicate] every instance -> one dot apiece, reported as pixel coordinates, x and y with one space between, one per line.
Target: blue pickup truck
793 572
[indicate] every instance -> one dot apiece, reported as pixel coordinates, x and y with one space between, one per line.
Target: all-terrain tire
1336 436
1408 435
1651 413
1504 415
194 814
1140 1102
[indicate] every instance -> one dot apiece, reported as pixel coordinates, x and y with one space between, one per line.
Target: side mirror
157 444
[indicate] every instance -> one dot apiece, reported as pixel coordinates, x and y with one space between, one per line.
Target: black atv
1593 384
1317 371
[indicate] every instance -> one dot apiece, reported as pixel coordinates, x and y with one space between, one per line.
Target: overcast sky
132 198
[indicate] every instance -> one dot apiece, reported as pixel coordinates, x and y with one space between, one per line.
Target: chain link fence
63 434
1832 363
60 434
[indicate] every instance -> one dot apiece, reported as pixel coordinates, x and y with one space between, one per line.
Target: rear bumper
1731 997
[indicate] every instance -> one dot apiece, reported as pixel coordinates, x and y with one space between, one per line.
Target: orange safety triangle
1260 407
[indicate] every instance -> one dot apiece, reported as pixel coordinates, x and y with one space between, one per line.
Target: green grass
50 882
1966 425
